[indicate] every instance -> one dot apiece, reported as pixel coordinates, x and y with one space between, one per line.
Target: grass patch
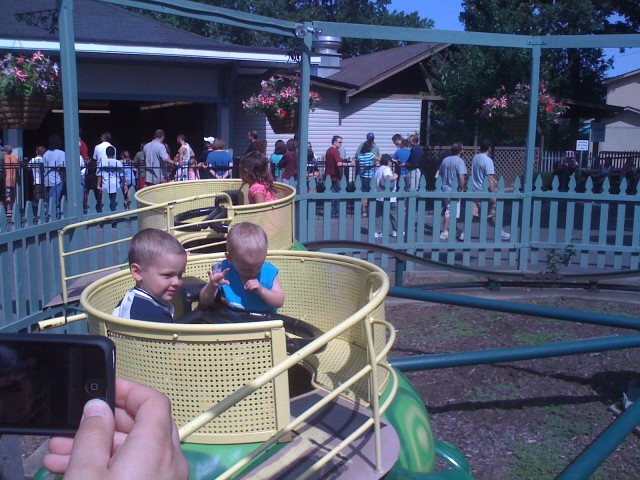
556 448
493 393
457 328
537 338
534 462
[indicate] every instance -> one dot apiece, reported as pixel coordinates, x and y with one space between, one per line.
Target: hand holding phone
140 441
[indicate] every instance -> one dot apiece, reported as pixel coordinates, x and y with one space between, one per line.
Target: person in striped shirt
366 162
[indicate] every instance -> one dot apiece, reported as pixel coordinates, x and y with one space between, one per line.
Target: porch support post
70 106
303 133
527 201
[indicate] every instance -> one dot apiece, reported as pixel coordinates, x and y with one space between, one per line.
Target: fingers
153 433
57 460
218 277
223 280
56 463
92 444
60 445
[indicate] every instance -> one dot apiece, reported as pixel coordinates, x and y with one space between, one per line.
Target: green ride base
407 414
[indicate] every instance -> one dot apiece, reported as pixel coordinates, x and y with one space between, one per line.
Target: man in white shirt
54 171
100 150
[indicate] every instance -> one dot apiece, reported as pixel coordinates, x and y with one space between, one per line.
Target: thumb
93 442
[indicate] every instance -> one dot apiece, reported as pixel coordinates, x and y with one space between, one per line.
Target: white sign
582 145
597 132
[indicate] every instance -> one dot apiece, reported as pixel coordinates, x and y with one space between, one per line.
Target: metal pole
513 307
513 354
303 132
527 201
70 106
603 446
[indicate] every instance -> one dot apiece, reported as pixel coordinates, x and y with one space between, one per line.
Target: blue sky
445 15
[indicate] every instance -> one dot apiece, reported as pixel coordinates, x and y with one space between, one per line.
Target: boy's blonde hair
148 246
247 238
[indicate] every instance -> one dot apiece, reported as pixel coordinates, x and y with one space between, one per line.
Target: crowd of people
568 168
103 173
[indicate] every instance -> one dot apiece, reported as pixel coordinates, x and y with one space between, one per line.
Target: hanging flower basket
278 99
28 87
24 112
511 110
288 124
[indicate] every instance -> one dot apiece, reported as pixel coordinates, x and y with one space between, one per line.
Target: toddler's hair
148 246
247 237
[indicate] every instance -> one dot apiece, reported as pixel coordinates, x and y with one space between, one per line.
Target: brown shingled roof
367 70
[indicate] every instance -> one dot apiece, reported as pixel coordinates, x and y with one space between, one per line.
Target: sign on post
582 145
597 132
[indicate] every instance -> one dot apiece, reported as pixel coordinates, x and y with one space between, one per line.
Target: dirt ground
527 419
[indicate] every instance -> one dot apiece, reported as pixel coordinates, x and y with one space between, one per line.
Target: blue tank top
236 296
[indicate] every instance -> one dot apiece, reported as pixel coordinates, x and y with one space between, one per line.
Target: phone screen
45 380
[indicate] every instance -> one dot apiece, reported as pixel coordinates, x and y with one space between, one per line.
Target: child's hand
217 277
252 285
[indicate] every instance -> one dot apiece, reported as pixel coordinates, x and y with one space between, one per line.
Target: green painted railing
602 228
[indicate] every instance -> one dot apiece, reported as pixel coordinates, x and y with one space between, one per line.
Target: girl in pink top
194 169
254 170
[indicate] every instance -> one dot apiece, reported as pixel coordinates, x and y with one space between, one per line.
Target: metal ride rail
69 248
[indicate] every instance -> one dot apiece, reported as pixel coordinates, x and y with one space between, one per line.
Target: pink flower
19 74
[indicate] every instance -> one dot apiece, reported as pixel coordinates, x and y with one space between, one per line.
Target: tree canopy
371 12
576 74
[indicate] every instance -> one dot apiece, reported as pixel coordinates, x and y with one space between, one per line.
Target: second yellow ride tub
276 217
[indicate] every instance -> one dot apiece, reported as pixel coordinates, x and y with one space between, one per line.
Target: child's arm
208 293
274 297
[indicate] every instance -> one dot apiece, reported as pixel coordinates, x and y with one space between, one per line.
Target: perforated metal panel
198 374
324 290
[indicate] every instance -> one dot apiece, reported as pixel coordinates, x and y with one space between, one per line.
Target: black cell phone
45 380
